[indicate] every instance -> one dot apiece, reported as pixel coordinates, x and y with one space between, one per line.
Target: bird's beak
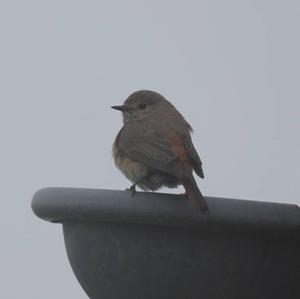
120 108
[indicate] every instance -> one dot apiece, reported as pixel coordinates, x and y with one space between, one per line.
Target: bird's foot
132 189
184 195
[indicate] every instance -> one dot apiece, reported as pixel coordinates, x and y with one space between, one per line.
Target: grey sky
231 67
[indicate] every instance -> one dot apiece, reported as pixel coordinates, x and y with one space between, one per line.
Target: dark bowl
153 246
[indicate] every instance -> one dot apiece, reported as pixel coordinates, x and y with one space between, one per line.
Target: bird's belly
140 174
133 170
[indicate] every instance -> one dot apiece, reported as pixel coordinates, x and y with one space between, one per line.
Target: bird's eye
142 106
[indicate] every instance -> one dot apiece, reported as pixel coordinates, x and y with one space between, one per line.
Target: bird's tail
194 195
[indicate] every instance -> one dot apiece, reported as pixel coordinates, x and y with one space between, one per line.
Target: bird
154 148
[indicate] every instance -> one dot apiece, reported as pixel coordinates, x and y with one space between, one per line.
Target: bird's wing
196 162
149 147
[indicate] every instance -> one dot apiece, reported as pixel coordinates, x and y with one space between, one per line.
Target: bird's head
141 104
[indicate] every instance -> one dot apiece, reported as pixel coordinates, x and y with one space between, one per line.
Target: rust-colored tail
194 195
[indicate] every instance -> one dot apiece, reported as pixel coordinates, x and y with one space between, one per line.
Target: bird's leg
184 195
132 189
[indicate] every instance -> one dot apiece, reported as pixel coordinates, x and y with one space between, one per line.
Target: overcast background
231 67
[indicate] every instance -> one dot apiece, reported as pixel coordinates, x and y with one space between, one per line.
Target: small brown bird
154 147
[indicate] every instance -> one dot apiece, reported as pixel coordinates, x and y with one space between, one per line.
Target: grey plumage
154 147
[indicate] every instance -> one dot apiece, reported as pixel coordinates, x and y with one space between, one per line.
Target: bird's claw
132 190
184 196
